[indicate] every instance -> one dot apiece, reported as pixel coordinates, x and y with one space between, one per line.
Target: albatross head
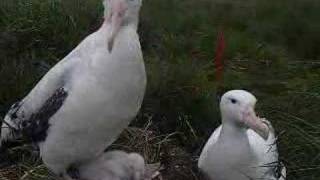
237 109
119 13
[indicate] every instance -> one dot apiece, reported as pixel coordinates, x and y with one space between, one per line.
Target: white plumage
114 165
117 165
90 96
235 152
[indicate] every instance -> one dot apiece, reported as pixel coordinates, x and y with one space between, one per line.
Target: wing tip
283 174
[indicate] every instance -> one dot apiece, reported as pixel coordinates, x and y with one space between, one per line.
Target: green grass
272 50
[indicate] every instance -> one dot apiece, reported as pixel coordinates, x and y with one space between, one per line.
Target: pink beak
255 123
115 17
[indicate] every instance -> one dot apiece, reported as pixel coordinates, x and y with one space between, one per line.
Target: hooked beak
255 123
115 17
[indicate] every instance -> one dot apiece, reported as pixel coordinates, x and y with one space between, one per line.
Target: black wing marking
73 172
36 127
33 129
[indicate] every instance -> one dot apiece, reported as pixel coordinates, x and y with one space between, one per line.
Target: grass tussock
272 49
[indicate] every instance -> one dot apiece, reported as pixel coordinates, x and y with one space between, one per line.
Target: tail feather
7 141
9 134
9 127
283 173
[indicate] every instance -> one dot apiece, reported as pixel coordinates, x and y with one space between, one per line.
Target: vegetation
272 49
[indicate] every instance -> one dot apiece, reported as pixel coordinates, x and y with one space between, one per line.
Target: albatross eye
233 101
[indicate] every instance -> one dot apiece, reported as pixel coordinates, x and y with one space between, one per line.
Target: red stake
218 59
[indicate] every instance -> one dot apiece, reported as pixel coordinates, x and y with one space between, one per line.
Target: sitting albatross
115 165
243 147
85 101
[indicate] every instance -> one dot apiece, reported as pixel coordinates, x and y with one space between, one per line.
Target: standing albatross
85 101
243 147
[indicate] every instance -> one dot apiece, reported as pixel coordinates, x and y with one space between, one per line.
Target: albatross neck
132 21
233 132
